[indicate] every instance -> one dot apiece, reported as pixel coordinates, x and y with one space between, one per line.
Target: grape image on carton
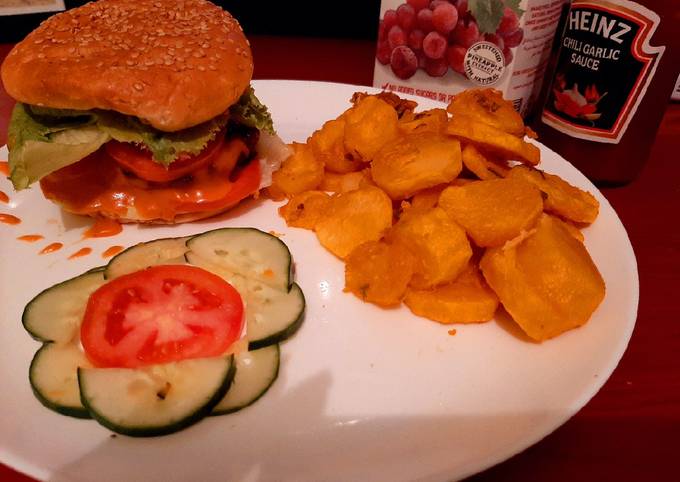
437 48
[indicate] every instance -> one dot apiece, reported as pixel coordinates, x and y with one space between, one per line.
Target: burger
140 111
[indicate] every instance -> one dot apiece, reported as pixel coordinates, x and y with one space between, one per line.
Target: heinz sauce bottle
613 78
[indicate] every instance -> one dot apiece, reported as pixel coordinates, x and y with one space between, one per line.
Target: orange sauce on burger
97 184
102 228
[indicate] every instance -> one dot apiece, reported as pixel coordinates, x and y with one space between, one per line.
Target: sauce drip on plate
80 253
4 197
9 219
4 168
112 251
31 238
51 248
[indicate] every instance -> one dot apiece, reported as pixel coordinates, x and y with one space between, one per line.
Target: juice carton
436 48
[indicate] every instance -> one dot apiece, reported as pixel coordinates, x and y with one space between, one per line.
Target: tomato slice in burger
140 161
161 314
212 195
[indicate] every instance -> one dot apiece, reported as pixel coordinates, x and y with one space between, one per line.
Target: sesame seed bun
171 63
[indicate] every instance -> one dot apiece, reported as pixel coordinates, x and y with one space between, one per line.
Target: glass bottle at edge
616 67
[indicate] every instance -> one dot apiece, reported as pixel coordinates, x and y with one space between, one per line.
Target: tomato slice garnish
140 161
161 314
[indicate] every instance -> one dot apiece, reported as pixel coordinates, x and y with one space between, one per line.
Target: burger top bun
171 63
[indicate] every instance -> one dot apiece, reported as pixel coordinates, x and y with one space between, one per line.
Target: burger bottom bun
133 217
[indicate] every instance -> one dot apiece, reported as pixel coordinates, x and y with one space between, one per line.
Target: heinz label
603 70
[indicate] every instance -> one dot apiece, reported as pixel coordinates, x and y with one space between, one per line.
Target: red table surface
630 430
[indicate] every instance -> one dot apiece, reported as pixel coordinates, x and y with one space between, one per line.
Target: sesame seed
150 32
138 86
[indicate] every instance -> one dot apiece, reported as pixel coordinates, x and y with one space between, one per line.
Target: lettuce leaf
164 146
252 113
36 148
43 139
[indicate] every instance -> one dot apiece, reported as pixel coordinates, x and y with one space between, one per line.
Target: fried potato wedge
547 281
415 162
562 198
305 209
369 125
477 163
467 299
379 273
489 107
492 139
328 146
353 218
461 181
426 199
439 245
350 181
300 172
571 229
495 211
433 120
402 106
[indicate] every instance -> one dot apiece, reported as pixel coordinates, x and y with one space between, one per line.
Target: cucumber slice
272 315
236 280
143 255
54 315
158 399
255 373
54 378
248 252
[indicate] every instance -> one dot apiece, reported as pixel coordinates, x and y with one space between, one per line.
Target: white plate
363 393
